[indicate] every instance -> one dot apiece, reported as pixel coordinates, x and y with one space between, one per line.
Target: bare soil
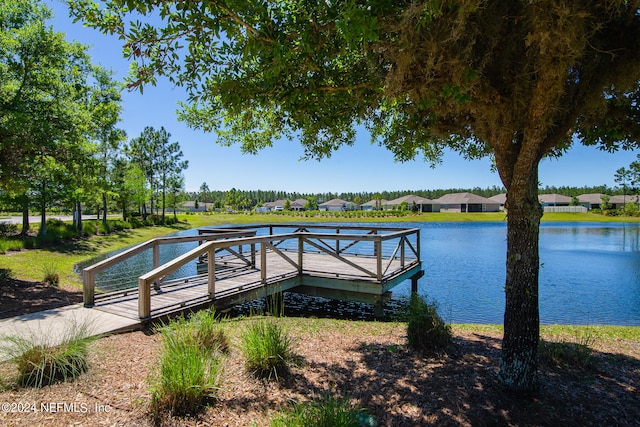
367 362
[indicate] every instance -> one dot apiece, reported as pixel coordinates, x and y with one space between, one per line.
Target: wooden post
300 253
263 262
88 287
402 243
337 242
144 299
211 270
253 255
378 251
156 262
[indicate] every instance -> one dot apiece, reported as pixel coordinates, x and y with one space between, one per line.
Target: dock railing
345 244
89 273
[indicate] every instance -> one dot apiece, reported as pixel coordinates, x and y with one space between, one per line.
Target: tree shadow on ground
19 297
461 388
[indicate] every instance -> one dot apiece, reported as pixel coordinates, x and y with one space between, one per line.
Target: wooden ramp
237 270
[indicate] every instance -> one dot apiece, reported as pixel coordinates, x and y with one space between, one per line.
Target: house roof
336 202
375 202
554 198
500 198
463 199
294 203
410 199
590 198
622 199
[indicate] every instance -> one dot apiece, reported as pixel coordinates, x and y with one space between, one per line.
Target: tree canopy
516 80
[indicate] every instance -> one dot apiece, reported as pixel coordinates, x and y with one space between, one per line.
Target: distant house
466 202
337 205
499 198
190 206
554 200
279 205
373 205
618 202
422 204
591 200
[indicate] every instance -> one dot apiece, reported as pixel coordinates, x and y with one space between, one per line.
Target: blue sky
362 167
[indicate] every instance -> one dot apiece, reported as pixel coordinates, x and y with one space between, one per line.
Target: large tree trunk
519 364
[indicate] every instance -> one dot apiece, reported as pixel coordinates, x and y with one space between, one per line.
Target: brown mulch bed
368 362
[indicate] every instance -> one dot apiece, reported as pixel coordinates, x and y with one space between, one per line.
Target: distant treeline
256 197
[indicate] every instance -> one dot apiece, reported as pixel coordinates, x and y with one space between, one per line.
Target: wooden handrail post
156 260
402 243
144 299
253 255
300 253
211 270
156 255
263 262
337 242
378 250
88 288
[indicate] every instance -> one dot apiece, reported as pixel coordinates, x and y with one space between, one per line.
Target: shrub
189 374
40 364
50 273
268 349
8 229
5 275
327 412
426 331
576 353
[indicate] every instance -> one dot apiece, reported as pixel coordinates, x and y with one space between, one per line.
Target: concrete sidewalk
51 327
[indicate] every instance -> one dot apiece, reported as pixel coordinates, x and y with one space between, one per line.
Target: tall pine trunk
25 216
104 208
519 363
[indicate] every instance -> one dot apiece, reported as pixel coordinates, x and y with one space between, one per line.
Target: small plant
207 332
326 412
39 364
190 370
50 272
576 353
426 331
5 275
268 349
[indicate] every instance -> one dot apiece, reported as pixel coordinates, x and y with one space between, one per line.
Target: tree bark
80 229
104 208
25 216
519 363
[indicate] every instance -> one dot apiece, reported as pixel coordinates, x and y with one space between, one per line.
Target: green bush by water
426 331
268 349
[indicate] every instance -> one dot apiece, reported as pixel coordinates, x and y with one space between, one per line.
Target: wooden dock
237 265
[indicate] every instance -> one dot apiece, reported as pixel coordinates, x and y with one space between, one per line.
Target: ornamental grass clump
40 364
426 331
576 354
268 349
190 368
326 412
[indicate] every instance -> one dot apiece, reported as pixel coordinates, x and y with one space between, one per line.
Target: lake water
590 272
